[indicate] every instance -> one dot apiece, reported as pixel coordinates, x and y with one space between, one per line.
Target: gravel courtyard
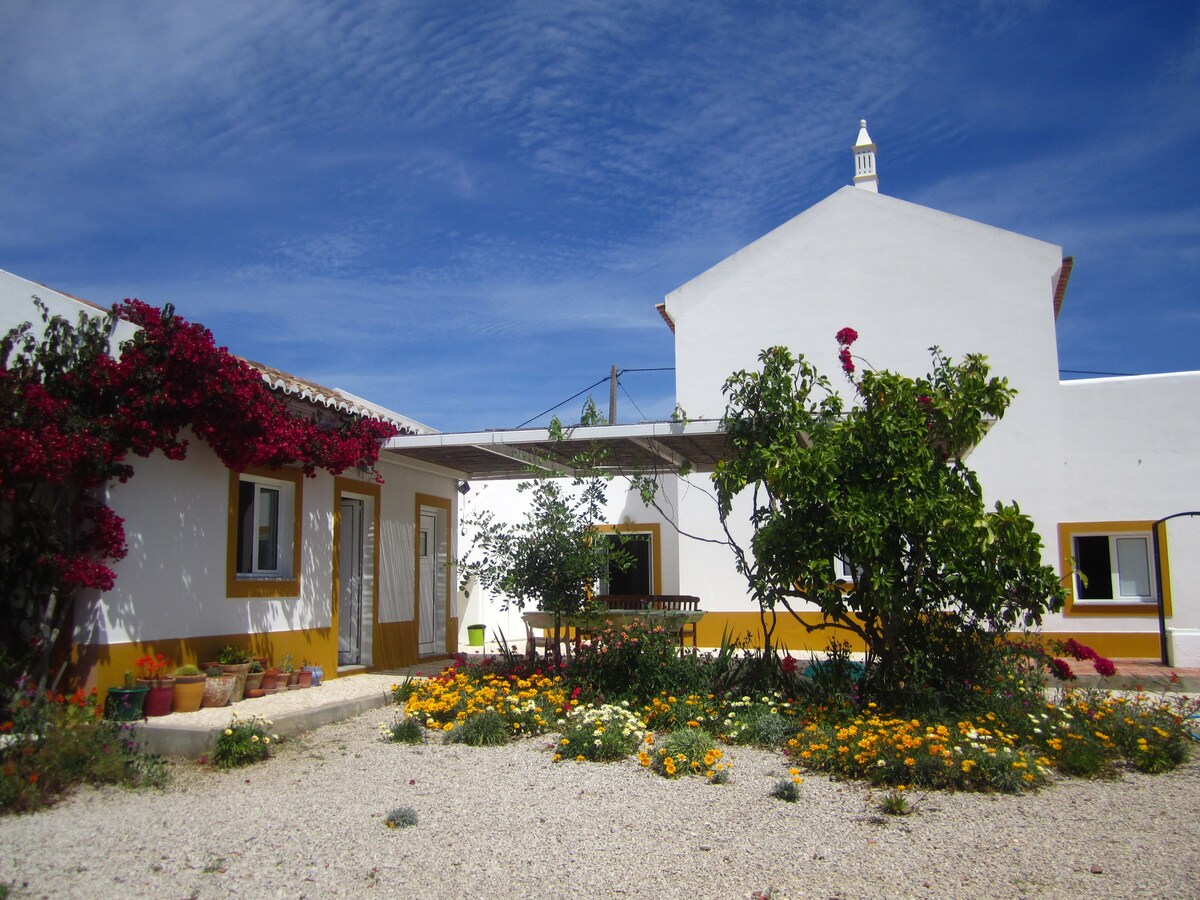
507 822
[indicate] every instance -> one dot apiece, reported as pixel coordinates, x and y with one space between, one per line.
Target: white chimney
865 176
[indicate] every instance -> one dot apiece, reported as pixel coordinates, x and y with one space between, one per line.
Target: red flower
1079 651
846 337
789 664
847 362
1104 667
1061 669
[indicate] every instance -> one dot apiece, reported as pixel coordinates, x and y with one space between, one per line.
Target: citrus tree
865 509
551 558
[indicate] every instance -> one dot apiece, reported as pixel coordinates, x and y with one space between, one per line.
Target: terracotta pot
253 693
254 681
239 672
306 677
262 661
270 678
161 695
217 690
189 691
293 678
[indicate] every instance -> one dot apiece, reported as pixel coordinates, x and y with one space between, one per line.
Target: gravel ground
507 822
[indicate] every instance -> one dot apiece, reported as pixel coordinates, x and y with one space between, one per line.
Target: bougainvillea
71 413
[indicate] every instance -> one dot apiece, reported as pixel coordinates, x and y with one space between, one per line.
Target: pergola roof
484 455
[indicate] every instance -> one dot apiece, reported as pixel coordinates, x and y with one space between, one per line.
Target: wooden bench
650 602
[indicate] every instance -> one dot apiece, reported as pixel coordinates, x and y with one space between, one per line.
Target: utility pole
612 396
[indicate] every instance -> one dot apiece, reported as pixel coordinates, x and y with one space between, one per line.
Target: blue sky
467 211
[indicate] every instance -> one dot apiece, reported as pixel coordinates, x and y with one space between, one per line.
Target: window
641 543
1109 568
264 534
843 572
1112 567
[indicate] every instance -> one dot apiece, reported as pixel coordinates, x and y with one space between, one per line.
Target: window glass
1133 566
268 530
1093 566
263 509
638 578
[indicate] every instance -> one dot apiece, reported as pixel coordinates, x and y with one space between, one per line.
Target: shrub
245 741
894 803
529 705
600 733
766 722
405 730
401 817
667 712
635 661
483 729
53 743
689 751
788 789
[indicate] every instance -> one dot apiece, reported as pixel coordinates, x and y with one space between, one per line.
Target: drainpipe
1158 582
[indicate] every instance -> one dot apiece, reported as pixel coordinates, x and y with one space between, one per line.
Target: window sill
1111 608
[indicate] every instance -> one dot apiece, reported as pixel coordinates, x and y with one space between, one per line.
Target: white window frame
1114 539
285 492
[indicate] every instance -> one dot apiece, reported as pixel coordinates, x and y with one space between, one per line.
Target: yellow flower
565 741
229 731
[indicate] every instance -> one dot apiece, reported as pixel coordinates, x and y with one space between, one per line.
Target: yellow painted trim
654 529
105 665
264 587
1108 608
443 503
342 486
788 633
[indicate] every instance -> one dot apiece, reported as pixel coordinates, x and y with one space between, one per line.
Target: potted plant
318 673
125 704
254 678
217 688
288 668
235 661
153 673
189 689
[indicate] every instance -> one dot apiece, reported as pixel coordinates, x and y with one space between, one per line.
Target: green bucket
475 635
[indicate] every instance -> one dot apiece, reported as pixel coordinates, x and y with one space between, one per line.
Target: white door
431 634
350 583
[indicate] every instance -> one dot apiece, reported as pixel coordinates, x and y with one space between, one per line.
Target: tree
550 559
880 484
71 413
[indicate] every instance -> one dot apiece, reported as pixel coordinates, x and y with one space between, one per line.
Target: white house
1095 463
356 574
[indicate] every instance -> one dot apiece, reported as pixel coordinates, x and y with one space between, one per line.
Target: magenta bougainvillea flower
1104 667
1061 669
1079 651
846 336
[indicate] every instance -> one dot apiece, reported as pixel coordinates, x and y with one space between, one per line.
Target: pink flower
1104 667
846 337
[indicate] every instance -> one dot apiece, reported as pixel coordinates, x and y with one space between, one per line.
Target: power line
620 372
568 400
1088 372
